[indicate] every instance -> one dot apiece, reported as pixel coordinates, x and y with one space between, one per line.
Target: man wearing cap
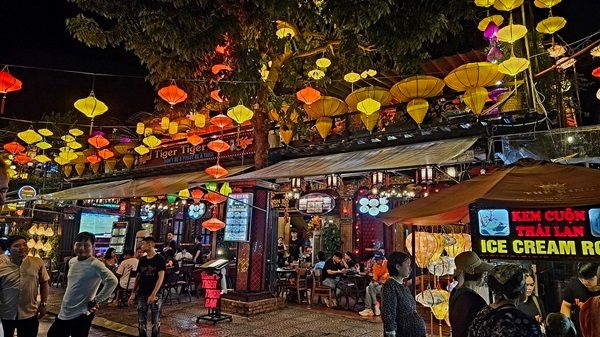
465 302
380 275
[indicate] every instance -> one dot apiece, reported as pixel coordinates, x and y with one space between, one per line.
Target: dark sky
34 34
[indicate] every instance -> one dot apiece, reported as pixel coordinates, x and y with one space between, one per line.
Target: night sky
34 34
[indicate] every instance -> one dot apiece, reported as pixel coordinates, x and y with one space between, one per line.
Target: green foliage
331 236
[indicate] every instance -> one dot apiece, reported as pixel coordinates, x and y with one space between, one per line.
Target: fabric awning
388 158
131 188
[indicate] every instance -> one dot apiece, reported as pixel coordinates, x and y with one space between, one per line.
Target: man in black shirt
579 290
295 247
151 273
331 272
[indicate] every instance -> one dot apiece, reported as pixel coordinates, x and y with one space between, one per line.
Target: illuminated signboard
238 217
27 192
536 233
315 204
210 283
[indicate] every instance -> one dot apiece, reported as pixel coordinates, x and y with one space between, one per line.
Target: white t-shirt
84 279
124 269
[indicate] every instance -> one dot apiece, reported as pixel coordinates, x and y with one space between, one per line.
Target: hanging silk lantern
240 113
184 194
218 146
368 106
91 106
456 248
8 83
475 99
151 141
546 3
29 136
195 139
106 154
213 224
43 145
211 186
442 266
42 158
14 147
139 128
47 246
98 141
33 231
484 3
484 23
94 159
74 145
225 189
75 132
440 310
284 30
124 147
149 200
173 128
511 33
217 68
200 120
215 94
68 138
596 72
141 150
60 160
316 74
217 171
221 120
31 242
308 95
80 168
49 231
323 62
197 195
214 198
507 5
68 155
22 159
323 125
128 159
171 198
556 50
286 135
417 109
513 66
430 297
45 132
440 244
370 121
67 170
164 123
551 25
172 94
95 167
352 77
109 165
425 247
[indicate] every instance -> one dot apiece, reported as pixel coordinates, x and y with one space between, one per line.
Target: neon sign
210 283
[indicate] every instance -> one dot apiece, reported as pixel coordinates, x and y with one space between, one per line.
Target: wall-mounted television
97 223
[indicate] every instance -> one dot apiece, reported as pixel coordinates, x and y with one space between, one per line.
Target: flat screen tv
97 223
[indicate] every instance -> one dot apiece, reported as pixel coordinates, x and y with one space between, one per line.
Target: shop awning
158 185
388 158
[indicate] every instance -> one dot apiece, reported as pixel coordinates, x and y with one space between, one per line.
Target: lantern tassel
3 103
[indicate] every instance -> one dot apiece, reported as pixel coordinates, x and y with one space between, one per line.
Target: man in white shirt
80 301
130 263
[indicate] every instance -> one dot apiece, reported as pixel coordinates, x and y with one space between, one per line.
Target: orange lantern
197 195
106 154
94 159
425 247
214 198
221 120
67 169
22 159
217 68
218 146
213 224
98 141
596 72
14 147
217 171
128 159
7 84
172 94
195 139
308 95
215 94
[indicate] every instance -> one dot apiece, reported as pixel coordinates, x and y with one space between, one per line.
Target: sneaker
377 311
366 312
334 302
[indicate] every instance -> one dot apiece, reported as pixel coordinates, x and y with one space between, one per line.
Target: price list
238 217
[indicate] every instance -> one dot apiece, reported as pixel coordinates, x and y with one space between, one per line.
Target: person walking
20 279
80 301
380 275
398 307
151 274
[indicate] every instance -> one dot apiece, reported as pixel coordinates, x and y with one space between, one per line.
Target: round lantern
214 198
91 106
425 247
213 224
221 120
172 94
8 83
14 147
308 95
440 310
218 146
240 113
217 171
443 266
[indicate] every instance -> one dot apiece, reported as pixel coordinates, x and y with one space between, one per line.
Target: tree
177 39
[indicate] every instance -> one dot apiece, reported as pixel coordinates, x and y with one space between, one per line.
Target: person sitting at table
332 270
130 263
182 254
349 261
322 258
380 275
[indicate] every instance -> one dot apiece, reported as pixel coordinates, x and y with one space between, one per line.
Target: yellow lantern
47 246
164 123
91 106
513 66
323 125
470 75
352 77
184 194
76 132
456 248
31 242
379 94
128 159
507 5
556 50
109 165
139 128
74 145
417 109
286 135
80 168
595 52
45 132
42 158
323 62
430 298
240 113
511 33
440 244
368 106
326 106
497 19
151 141
33 231
49 231
149 199
551 25
420 86
370 121
425 247
68 138
67 170
546 3
141 150
43 145
95 167
60 160
29 136
173 128
284 30
38 245
467 241
68 155
484 3
475 99
440 310
200 120
316 74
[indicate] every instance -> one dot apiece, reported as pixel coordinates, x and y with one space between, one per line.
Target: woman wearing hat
465 302
502 318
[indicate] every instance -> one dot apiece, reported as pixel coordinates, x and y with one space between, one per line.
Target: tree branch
317 50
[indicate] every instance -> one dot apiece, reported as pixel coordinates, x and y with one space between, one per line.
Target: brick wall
252 308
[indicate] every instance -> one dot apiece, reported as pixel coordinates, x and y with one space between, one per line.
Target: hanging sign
315 204
27 192
536 233
238 217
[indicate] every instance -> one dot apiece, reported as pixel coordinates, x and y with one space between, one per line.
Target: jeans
77 327
332 283
142 305
25 327
372 290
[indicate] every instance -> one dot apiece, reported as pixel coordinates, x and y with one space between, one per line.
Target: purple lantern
491 31
494 54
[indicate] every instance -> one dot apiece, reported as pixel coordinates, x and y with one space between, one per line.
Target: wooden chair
320 290
299 285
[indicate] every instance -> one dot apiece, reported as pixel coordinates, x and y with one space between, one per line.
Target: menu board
238 217
315 204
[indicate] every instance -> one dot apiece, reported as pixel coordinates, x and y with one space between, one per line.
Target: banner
555 233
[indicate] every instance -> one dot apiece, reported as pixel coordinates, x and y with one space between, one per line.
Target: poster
238 217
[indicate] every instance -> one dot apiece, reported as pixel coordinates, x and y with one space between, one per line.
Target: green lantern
171 198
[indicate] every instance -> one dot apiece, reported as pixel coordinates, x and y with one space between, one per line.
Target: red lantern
217 68
197 195
94 159
221 120
172 94
308 95
596 72
213 224
216 96
7 84
195 139
218 146
217 171
106 154
214 198
22 159
98 141
14 147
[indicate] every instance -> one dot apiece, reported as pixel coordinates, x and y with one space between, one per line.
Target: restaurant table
353 286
